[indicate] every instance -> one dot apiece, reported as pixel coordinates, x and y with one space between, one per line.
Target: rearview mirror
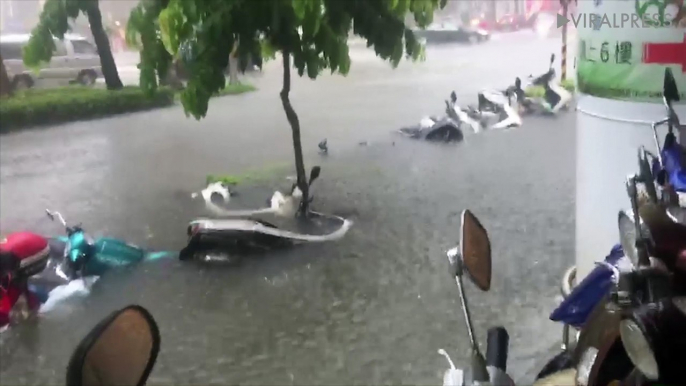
552 59
314 174
50 215
121 350
669 89
518 83
476 250
453 97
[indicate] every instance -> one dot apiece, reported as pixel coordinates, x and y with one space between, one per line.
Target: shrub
65 104
538 91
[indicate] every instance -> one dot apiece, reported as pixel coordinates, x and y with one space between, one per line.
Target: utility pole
563 62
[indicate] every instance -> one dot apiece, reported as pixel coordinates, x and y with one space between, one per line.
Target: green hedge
65 104
538 91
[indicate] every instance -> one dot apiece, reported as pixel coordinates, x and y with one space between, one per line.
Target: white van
74 59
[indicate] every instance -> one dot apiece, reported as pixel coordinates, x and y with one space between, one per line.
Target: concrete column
606 155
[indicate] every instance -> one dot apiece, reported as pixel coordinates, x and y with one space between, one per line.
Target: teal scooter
78 255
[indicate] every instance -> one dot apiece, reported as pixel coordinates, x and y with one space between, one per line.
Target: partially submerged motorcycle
245 230
433 129
494 110
79 255
555 96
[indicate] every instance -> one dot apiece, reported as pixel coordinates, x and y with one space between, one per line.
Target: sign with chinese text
624 47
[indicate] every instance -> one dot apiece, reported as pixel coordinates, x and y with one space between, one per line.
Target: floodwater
373 308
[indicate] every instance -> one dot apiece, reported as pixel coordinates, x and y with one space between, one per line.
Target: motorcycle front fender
576 308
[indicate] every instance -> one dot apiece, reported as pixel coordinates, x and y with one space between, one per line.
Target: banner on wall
624 47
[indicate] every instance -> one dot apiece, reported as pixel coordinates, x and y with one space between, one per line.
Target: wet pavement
370 309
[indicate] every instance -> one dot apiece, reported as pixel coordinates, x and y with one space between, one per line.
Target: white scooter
241 231
494 111
555 98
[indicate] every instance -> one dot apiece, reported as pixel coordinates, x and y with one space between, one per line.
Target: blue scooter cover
575 309
677 175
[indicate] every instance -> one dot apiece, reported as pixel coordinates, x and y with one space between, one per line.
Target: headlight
627 237
638 348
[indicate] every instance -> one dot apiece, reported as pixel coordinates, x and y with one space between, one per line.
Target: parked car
512 22
450 33
74 60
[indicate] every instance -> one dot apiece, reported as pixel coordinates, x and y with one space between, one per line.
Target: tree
312 35
5 84
54 22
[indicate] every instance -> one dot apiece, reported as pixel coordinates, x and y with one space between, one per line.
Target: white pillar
607 148
606 155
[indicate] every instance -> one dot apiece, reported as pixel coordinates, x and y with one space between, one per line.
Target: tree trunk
5 84
295 128
233 65
233 69
109 68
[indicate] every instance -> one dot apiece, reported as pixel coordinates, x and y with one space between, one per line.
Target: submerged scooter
78 255
275 226
434 129
554 98
494 110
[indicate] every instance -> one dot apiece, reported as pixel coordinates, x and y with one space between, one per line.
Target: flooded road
370 309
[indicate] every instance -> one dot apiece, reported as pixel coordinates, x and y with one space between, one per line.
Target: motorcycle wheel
559 362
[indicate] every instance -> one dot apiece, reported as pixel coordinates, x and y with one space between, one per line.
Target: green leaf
170 21
299 8
397 54
344 58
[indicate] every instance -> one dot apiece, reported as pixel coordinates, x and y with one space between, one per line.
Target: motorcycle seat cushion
30 250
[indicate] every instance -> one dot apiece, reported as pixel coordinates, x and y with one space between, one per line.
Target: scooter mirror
518 83
476 250
50 215
314 174
669 89
120 350
552 59
453 97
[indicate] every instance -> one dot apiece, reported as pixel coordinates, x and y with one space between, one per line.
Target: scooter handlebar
497 348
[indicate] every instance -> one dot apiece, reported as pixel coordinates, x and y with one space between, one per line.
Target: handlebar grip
497 346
